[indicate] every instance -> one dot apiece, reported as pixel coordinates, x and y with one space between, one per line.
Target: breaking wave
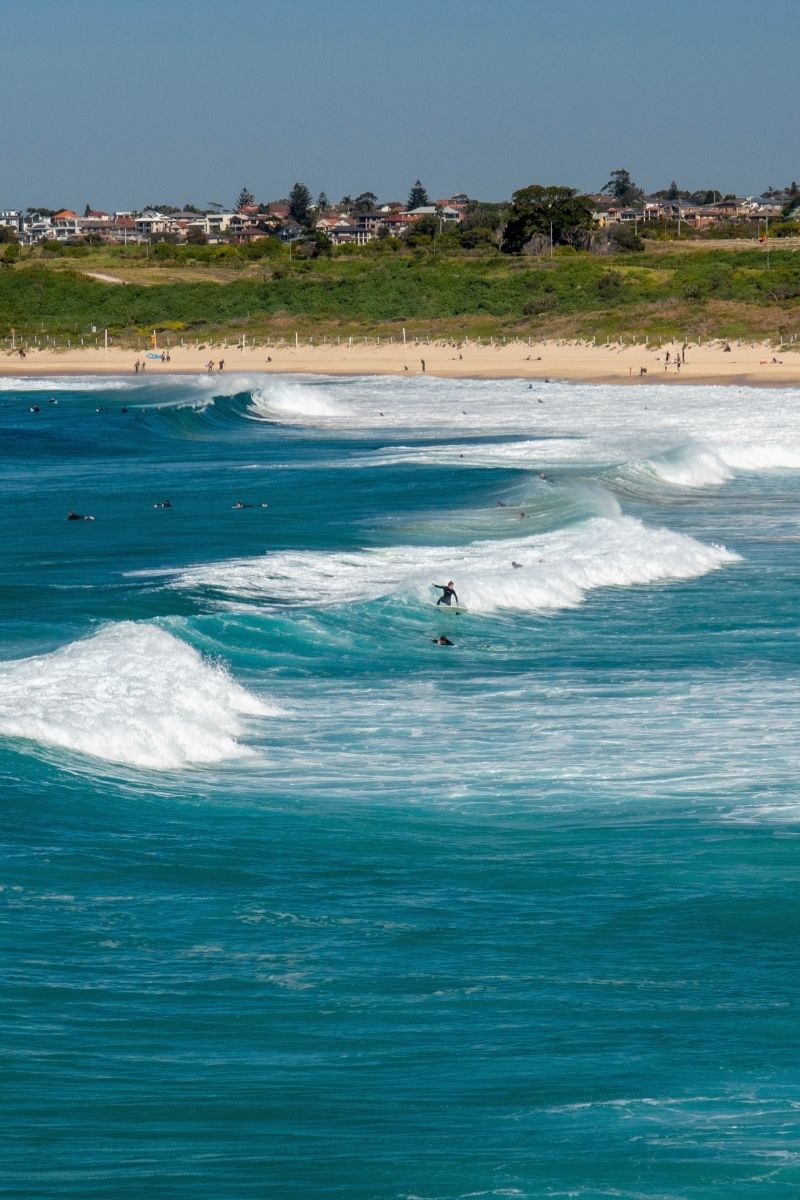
281 401
131 694
556 570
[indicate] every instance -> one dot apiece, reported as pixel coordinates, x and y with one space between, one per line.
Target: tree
87 210
537 213
422 231
312 244
705 196
365 202
11 254
625 238
323 204
418 197
346 201
7 234
673 193
195 236
246 198
477 237
623 189
300 204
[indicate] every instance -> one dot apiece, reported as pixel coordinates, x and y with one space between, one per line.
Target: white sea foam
691 466
131 694
761 456
75 383
558 569
282 400
691 436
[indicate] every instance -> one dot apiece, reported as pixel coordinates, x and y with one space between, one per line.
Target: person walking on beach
222 364
210 366
422 364
448 592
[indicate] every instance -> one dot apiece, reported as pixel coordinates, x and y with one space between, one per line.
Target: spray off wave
283 401
696 465
132 694
556 570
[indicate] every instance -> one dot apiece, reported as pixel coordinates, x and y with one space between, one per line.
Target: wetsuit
447 594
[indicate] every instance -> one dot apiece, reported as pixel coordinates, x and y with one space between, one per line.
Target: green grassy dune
731 292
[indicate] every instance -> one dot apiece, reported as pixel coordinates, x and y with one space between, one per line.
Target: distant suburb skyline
120 106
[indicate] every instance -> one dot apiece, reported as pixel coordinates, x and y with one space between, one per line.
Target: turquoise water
296 902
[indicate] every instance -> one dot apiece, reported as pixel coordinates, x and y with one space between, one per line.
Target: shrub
626 238
609 286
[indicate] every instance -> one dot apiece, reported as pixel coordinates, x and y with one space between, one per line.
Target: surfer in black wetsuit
448 592
442 641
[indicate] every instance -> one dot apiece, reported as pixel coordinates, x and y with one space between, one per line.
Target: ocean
298 902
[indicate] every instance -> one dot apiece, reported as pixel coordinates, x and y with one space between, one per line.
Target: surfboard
450 608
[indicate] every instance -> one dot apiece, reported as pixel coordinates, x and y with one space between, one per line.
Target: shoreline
750 364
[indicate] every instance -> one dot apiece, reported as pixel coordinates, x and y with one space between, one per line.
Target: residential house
444 213
290 231
357 235
149 223
65 225
11 218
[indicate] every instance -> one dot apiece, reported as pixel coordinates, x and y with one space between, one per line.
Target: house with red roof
65 224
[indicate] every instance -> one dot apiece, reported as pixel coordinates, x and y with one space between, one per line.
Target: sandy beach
752 364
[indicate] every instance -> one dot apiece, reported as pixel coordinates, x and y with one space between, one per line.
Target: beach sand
706 363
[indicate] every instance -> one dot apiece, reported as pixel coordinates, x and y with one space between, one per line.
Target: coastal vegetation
266 291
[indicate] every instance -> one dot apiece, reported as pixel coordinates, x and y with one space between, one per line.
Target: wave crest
557 569
284 401
131 694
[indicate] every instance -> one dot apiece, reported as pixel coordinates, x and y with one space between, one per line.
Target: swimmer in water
517 566
73 516
442 641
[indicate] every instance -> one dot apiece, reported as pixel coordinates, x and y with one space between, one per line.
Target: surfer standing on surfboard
448 592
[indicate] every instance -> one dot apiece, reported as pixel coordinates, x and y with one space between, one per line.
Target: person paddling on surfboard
448 592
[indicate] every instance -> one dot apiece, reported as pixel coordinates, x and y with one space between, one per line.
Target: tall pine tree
417 197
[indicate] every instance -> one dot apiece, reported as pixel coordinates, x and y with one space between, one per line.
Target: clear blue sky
122 104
